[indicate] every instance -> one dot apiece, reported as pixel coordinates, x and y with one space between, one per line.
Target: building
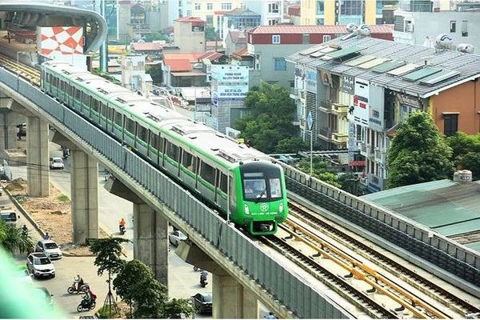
423 27
241 19
269 45
190 35
358 89
235 41
336 12
213 11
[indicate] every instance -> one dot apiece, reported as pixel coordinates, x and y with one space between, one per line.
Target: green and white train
211 165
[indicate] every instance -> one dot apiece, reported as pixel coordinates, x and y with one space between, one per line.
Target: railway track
373 282
23 71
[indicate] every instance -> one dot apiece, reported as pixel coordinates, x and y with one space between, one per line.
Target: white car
40 265
56 163
176 236
50 248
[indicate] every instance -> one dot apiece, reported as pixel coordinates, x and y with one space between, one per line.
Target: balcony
325 133
294 93
339 108
339 137
325 106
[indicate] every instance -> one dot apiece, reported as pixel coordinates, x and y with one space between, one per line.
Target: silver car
176 236
50 248
40 265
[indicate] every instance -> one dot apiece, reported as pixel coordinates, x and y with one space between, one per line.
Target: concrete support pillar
150 243
233 300
38 179
8 124
84 191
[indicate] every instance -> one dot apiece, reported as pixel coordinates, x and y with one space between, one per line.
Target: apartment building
359 89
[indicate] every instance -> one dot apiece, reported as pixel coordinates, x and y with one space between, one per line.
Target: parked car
50 248
176 236
42 294
56 163
40 265
202 302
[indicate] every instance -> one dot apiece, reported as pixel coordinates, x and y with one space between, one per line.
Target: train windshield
258 186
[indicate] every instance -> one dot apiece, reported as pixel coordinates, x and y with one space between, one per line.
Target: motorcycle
73 288
86 306
203 279
121 229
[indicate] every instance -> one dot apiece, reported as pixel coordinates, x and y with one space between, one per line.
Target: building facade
190 35
359 89
341 12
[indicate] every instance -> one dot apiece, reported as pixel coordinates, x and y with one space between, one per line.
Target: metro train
217 169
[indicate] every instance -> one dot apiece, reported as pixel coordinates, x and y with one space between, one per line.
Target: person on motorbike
203 277
121 224
79 282
24 230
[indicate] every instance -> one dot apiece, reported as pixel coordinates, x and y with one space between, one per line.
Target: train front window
275 188
255 188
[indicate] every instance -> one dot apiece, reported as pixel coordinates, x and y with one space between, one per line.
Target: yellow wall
308 12
329 12
370 12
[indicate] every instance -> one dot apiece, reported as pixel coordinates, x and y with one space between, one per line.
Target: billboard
311 76
66 40
375 119
227 74
360 102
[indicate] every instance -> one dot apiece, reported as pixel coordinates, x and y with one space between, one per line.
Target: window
273 8
279 64
450 122
187 161
142 133
327 37
464 28
276 39
207 173
172 151
305 38
223 182
275 188
197 6
209 6
226 6
130 126
453 26
321 7
118 119
272 22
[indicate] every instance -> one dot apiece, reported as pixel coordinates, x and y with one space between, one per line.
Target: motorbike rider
121 225
79 282
203 277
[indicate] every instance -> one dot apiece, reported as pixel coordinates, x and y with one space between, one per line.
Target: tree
211 34
466 152
269 123
12 239
175 308
319 170
418 153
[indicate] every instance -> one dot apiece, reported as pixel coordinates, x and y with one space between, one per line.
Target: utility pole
104 48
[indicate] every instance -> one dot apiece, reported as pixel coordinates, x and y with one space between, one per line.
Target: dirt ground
52 214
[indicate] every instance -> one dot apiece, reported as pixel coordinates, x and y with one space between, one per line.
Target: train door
153 148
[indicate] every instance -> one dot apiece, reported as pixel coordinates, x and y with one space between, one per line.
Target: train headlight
280 208
247 210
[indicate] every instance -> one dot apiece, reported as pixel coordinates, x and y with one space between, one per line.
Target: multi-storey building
359 89
342 12
269 45
213 12
423 24
190 35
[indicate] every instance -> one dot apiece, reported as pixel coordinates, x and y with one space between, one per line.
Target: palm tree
13 239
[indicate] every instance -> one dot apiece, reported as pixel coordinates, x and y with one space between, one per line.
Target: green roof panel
420 74
387 66
342 53
438 77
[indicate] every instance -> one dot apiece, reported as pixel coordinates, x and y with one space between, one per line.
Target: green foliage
63 198
138 287
466 152
108 253
105 75
319 170
157 35
418 153
13 240
174 308
211 34
269 123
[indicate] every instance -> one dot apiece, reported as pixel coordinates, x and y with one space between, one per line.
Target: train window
130 125
275 188
69 89
118 118
161 146
77 94
62 86
104 110
96 105
142 133
172 151
55 82
109 113
207 173
154 140
187 160
223 182
254 188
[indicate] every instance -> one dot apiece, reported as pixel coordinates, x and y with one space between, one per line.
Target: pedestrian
46 236
270 315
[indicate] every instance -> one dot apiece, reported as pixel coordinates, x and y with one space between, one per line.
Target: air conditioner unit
409 27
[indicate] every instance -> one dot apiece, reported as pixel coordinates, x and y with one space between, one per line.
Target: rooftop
319 29
450 208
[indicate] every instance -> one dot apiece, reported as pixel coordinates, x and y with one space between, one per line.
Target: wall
464 99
